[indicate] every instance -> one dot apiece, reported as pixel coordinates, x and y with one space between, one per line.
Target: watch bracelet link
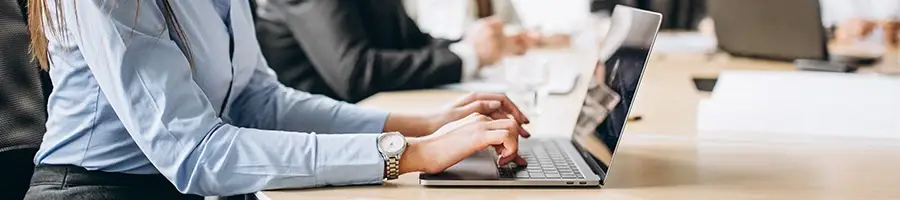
392 170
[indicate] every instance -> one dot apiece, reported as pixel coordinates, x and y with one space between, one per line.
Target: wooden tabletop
661 157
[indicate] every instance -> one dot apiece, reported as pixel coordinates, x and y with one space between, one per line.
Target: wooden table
661 157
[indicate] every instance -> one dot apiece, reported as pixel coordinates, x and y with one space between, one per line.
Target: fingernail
493 104
503 162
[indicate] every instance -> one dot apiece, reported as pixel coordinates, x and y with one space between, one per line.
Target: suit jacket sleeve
338 47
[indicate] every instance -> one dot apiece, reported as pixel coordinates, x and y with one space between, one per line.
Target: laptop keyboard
545 161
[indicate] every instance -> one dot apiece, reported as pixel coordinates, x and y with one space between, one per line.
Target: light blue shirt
127 100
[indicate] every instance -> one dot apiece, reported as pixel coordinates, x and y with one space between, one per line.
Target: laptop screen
624 54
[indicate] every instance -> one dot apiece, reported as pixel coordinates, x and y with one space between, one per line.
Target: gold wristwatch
391 145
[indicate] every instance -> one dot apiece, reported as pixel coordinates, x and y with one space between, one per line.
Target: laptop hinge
591 162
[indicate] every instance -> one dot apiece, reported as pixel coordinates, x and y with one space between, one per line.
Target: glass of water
527 78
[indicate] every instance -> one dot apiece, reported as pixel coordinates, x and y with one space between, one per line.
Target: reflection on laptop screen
624 54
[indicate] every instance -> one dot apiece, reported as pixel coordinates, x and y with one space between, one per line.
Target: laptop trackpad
480 166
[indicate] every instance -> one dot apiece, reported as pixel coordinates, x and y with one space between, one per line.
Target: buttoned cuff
466 52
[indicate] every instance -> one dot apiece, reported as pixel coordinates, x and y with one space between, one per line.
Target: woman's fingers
501 115
504 160
484 107
506 105
520 161
504 124
504 133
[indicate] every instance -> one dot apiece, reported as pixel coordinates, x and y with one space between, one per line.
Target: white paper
818 103
684 42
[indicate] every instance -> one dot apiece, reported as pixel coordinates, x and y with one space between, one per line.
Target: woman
164 99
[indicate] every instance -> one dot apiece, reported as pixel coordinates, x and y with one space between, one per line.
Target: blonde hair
39 19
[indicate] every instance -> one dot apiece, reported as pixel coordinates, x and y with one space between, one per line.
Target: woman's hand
496 106
458 140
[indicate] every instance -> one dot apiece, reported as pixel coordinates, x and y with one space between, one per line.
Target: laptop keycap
522 174
545 161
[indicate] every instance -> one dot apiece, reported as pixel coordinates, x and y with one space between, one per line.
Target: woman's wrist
413 159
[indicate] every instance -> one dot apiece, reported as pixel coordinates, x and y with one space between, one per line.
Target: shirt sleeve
346 57
836 11
148 82
466 52
268 104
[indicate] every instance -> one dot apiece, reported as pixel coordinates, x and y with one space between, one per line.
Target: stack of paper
684 42
773 104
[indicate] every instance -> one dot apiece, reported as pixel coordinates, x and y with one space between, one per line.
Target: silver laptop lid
624 54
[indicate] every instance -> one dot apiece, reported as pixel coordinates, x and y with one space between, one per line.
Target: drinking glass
527 77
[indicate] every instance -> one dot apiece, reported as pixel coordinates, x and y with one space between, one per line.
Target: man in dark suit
352 49
22 102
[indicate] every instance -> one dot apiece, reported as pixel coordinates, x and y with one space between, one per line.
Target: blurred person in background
350 50
22 102
867 21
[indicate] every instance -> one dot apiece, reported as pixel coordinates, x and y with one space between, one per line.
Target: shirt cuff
466 53
358 163
342 159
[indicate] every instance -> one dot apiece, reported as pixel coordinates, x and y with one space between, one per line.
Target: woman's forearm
410 125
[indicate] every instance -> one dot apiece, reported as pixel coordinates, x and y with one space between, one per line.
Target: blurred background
688 25
702 41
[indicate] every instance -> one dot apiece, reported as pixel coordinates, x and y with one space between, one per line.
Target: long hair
40 26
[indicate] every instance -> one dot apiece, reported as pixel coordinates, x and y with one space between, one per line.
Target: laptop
775 29
583 159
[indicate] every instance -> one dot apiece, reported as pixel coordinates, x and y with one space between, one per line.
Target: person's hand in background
491 42
853 30
519 42
890 28
486 35
496 106
457 140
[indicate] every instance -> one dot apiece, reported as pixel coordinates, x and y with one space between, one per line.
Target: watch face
392 143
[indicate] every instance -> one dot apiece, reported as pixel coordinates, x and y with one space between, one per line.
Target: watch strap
392 168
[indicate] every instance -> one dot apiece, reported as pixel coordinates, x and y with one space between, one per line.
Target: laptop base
552 162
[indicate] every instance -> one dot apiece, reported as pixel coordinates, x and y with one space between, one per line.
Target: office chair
22 102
